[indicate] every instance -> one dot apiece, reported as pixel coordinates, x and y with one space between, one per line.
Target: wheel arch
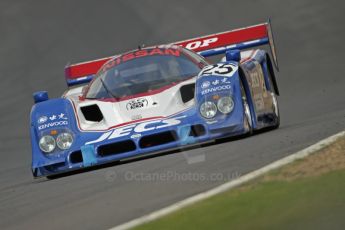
244 82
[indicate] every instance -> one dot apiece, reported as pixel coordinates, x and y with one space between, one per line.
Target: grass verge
307 194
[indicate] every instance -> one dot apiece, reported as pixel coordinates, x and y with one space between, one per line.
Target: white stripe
251 42
81 78
217 49
231 184
231 46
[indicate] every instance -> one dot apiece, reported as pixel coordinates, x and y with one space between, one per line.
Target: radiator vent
92 113
187 92
116 148
158 139
76 157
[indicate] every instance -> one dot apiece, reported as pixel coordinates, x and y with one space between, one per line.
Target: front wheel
248 124
275 111
275 107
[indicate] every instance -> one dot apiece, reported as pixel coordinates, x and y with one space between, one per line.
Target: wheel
248 124
275 110
275 106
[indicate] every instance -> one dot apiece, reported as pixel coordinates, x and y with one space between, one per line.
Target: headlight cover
47 144
64 141
208 109
225 105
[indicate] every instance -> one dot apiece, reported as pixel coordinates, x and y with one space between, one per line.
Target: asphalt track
37 39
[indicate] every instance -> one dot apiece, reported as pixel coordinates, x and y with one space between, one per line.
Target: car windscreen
141 75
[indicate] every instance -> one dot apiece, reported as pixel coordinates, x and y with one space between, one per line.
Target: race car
156 99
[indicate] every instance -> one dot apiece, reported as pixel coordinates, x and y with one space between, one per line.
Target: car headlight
208 109
225 105
47 144
64 141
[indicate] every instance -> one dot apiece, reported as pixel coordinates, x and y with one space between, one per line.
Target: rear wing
242 38
206 46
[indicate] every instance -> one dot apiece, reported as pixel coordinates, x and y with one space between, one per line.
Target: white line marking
231 184
251 42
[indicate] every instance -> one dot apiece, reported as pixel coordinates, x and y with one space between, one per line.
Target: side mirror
40 96
233 55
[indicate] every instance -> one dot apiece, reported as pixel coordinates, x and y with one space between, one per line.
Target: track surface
37 38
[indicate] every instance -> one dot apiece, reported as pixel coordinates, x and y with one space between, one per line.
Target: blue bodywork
188 128
252 87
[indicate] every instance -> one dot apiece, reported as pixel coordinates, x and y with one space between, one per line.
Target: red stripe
197 44
226 38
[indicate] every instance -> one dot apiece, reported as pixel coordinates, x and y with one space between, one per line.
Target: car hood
98 115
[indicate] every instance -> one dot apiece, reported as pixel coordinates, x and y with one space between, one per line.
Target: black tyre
247 114
275 106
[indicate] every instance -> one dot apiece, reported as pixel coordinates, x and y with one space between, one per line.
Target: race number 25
226 70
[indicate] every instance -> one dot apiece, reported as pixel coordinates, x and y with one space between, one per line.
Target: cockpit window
134 74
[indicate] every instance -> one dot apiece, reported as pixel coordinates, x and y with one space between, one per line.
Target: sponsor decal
215 89
259 102
55 120
202 43
140 53
255 79
215 82
135 130
53 117
52 124
42 119
220 69
137 103
225 81
205 84
62 116
58 116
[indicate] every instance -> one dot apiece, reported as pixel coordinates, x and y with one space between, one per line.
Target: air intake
158 139
76 157
92 113
116 148
187 92
197 130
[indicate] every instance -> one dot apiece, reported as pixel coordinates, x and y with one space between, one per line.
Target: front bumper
106 152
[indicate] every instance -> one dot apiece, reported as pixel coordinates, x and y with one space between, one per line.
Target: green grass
305 203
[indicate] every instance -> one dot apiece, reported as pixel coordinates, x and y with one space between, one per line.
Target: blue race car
156 99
